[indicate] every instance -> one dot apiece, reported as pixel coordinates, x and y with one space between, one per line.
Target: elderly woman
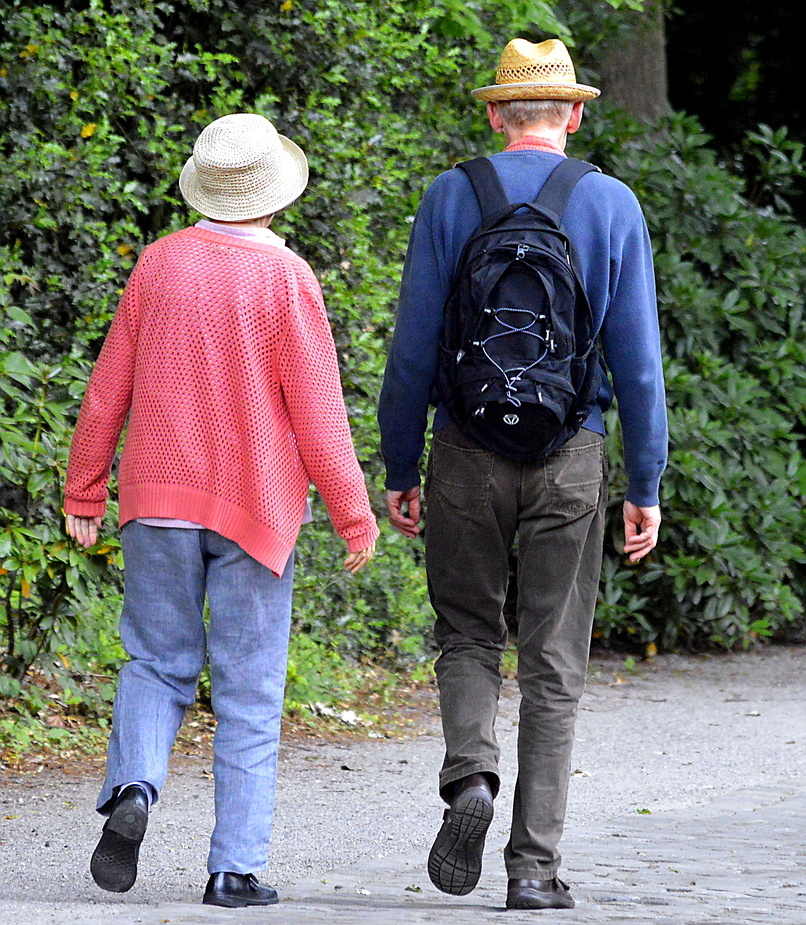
221 357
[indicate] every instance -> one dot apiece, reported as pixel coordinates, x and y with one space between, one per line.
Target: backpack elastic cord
513 375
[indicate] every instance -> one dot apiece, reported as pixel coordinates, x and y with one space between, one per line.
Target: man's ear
576 117
496 122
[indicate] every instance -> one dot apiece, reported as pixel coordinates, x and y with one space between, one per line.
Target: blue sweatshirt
604 221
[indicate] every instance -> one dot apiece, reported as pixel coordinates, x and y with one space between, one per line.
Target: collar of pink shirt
535 143
250 232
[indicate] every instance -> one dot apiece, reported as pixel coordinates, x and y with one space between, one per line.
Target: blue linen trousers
168 573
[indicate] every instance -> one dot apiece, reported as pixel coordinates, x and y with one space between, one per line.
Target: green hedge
100 105
731 279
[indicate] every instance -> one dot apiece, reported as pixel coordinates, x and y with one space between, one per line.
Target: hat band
535 75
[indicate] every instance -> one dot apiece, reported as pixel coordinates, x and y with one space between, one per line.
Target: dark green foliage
731 284
97 110
45 582
101 102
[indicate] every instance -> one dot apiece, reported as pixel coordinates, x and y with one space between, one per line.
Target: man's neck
552 134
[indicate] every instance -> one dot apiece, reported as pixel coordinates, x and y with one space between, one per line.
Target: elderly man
480 503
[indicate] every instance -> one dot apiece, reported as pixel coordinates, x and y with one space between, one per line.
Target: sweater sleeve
411 365
631 344
309 376
103 413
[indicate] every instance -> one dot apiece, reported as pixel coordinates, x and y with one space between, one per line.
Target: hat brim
289 185
567 92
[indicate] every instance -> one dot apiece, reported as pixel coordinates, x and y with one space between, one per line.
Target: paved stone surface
715 750
741 860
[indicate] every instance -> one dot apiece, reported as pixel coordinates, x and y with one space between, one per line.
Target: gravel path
714 749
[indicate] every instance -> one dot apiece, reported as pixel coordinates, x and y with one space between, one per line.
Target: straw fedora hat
242 169
529 71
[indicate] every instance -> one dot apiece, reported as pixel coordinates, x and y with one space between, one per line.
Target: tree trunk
633 64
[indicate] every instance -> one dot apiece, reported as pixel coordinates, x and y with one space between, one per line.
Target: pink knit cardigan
222 358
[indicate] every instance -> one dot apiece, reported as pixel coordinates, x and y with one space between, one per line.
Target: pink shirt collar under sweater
535 143
250 232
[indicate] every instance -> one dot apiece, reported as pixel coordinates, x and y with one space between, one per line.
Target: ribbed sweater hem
259 540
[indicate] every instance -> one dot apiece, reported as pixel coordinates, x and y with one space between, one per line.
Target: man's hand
84 530
357 560
640 530
404 511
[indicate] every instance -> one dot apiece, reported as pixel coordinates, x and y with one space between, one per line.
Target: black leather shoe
235 890
539 894
114 861
454 863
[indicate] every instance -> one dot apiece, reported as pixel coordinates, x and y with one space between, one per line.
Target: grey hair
523 113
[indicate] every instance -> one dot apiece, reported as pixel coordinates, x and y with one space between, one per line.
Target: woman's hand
357 560
84 530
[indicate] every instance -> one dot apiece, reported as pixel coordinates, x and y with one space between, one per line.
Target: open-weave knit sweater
222 358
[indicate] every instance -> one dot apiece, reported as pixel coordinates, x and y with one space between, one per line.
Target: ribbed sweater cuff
401 476
356 543
643 492
84 508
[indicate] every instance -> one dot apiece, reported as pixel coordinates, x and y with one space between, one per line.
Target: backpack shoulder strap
554 195
486 185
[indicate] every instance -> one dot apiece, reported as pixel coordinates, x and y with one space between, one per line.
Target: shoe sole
231 902
454 863
114 861
535 900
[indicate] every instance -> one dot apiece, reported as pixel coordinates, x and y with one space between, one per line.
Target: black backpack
518 370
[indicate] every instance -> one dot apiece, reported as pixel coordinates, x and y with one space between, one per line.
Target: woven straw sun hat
529 71
242 169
